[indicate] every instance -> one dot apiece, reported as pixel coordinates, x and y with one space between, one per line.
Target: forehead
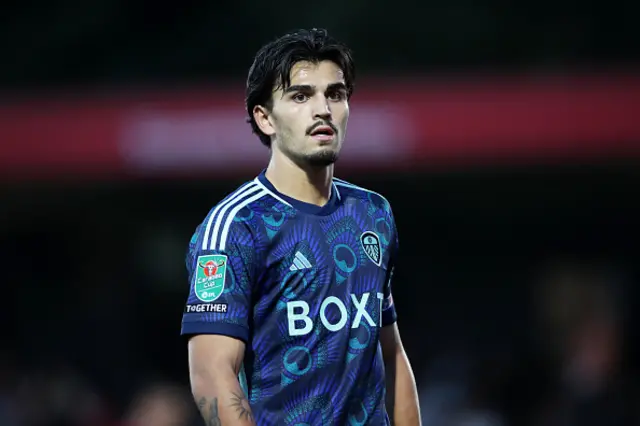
326 72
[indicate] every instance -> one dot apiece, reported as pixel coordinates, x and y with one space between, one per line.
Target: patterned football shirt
307 288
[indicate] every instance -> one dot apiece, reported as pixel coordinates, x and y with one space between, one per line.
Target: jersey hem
231 330
388 318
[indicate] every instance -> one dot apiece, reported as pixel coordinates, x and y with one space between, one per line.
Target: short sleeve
220 284
389 315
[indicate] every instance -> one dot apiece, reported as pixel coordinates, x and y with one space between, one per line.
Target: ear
261 115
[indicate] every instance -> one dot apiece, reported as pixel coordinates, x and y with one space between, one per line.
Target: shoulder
230 220
348 190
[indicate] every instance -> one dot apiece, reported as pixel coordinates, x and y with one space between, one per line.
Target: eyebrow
310 88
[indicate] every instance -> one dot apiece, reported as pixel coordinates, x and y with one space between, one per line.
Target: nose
322 108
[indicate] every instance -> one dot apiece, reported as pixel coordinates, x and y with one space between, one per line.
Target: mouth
323 133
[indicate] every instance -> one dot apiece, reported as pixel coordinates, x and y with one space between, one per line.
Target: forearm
402 394
220 399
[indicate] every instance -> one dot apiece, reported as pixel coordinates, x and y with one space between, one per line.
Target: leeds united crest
371 245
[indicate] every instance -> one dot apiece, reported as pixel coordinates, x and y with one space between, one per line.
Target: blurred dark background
506 137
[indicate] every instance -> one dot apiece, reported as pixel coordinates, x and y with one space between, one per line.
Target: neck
310 185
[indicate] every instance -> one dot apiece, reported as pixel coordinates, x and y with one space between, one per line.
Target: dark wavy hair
272 65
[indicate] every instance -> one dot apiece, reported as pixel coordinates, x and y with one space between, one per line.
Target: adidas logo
300 262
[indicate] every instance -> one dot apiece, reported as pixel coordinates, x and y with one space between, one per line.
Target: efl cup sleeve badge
208 283
371 245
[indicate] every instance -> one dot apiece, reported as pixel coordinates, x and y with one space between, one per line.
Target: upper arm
389 334
221 278
210 350
390 342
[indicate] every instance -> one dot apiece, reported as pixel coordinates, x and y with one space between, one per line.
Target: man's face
309 118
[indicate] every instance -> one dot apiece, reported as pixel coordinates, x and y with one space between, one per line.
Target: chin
323 158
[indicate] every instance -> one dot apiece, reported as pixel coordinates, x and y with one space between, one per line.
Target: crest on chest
371 245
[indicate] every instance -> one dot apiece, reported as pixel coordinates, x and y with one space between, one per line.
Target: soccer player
290 316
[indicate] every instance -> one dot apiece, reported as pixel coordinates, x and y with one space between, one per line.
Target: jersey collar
304 207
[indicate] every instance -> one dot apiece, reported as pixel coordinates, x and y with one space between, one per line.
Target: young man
290 314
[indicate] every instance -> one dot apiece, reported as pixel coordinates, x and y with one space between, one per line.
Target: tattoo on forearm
209 411
241 404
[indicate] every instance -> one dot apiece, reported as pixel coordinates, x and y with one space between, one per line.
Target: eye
337 96
300 97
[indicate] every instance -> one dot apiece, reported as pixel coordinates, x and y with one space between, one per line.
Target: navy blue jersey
307 288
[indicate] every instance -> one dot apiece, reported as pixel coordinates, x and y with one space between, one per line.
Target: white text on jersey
298 311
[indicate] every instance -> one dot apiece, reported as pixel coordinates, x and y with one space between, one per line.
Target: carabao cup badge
208 283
